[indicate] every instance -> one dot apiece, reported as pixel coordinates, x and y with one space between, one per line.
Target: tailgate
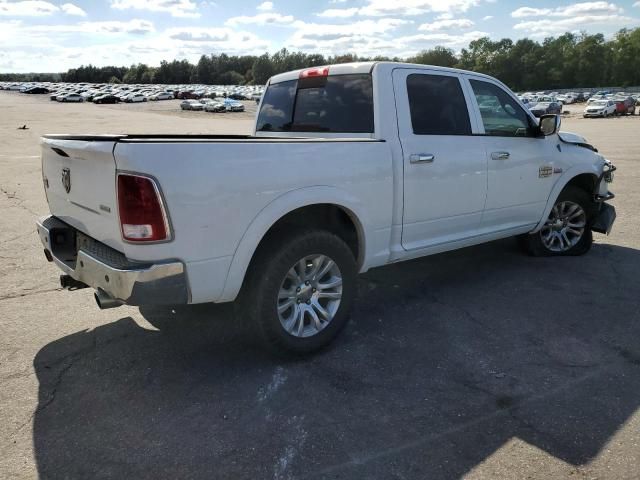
80 178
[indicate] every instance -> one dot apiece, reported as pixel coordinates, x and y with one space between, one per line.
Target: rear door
80 184
445 167
521 167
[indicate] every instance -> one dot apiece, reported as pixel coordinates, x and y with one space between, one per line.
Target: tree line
570 60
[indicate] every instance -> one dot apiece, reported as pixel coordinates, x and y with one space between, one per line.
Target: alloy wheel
309 295
565 227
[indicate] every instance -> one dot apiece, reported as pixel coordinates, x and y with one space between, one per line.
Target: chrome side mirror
550 124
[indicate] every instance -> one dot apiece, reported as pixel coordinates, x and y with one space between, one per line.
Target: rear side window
333 104
437 105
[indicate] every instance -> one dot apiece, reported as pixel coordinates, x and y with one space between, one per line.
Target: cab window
437 105
501 114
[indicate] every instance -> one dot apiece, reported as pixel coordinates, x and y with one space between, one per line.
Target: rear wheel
299 290
567 231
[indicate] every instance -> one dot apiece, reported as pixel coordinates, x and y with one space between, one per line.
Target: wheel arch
278 211
584 178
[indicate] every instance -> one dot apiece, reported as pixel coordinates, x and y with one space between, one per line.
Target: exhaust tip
105 301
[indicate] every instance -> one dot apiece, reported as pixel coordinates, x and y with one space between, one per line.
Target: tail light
314 72
142 214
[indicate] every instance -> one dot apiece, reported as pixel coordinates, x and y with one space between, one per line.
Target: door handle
422 158
500 155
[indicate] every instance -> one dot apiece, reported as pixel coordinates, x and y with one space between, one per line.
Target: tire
299 329
541 244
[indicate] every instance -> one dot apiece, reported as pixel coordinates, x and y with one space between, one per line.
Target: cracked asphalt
481 363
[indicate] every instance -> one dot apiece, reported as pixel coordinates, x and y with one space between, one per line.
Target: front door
521 167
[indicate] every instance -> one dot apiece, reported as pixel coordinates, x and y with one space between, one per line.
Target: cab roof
367 67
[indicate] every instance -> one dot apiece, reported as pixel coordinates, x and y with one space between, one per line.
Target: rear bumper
109 271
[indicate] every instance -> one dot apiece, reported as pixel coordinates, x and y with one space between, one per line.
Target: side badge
545 171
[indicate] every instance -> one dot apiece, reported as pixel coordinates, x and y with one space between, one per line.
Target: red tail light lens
142 214
315 72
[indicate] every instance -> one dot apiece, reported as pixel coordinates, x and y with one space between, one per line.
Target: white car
350 167
161 96
600 108
135 98
70 97
233 105
191 105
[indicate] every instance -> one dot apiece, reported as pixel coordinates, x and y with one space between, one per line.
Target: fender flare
562 182
273 212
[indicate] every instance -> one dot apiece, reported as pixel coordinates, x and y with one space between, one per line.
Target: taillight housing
314 72
143 217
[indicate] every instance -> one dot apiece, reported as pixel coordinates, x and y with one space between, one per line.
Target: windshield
333 104
601 104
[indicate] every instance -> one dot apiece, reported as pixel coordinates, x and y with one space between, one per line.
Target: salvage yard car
350 167
600 108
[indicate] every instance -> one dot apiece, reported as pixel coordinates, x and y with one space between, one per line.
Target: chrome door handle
422 158
500 155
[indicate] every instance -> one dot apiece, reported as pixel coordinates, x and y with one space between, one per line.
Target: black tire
533 243
259 298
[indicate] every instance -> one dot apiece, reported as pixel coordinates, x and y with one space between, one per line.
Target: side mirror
550 124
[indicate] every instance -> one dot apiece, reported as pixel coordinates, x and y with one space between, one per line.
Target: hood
575 139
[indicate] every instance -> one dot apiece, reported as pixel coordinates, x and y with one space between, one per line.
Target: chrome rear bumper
109 271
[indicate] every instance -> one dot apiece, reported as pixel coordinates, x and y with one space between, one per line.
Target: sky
53 36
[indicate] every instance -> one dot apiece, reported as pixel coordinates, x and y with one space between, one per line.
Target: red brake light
142 214
315 72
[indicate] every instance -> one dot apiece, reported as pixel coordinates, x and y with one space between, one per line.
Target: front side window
332 104
501 114
437 105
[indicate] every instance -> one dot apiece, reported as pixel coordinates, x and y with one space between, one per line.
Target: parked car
189 95
135 98
285 219
233 105
70 97
600 108
106 99
36 90
191 105
544 108
625 106
161 96
215 107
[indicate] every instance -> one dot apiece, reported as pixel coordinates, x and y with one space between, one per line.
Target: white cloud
71 9
637 4
584 8
265 6
488 17
546 26
381 8
27 9
572 17
261 19
176 8
339 12
446 25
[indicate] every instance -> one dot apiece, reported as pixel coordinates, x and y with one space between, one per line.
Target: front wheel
567 231
299 290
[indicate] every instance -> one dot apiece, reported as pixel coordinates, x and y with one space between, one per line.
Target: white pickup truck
350 167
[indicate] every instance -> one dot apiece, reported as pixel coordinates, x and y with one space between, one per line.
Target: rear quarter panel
224 195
